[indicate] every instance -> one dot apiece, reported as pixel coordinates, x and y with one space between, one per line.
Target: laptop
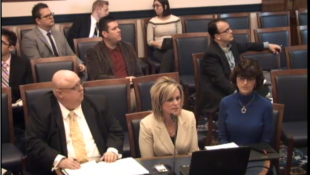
218 162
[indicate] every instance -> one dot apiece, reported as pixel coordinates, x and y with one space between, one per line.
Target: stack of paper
126 166
222 146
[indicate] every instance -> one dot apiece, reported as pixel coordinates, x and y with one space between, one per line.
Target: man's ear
104 34
37 20
11 48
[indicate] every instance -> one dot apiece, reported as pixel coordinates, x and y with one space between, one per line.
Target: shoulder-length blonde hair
161 91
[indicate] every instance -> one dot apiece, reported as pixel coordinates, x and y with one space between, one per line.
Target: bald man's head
67 88
63 78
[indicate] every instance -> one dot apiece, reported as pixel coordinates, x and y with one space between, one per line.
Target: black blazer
45 132
79 29
20 74
215 74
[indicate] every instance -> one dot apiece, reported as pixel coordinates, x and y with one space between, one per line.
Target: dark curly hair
248 68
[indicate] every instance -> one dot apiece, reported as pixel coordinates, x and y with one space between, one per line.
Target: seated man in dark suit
43 41
220 58
86 27
67 128
112 58
15 70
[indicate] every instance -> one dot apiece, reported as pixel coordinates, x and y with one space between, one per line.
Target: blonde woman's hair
99 3
161 91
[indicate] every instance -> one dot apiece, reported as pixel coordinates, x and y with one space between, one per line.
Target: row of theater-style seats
288 86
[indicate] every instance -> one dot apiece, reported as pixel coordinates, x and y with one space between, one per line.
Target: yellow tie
77 139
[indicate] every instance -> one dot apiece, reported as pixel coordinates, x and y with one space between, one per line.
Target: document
222 146
126 166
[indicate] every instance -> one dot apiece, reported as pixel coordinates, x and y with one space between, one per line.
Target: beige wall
84 6
14 9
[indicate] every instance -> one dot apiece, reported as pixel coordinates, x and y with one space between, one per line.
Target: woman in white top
162 26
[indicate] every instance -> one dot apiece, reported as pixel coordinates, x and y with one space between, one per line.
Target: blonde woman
157 130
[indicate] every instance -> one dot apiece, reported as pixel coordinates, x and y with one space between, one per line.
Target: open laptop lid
221 161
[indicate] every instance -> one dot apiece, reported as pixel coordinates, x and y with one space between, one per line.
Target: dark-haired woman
162 26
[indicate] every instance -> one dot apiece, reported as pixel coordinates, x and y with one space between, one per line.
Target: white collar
65 112
93 21
44 32
8 61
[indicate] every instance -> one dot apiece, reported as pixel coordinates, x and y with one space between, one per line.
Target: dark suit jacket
45 132
215 74
20 74
79 29
100 65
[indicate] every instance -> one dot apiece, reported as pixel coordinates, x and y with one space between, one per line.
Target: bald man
67 128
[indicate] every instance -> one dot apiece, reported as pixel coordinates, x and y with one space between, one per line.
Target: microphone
175 119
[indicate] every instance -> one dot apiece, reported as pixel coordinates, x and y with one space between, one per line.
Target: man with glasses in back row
219 60
43 41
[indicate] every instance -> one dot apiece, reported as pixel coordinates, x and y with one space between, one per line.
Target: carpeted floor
300 157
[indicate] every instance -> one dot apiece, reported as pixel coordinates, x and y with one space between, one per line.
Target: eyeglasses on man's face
248 79
77 87
4 43
226 30
49 15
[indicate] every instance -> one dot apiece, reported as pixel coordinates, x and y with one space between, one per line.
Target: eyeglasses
156 6
248 79
226 31
49 15
77 87
4 43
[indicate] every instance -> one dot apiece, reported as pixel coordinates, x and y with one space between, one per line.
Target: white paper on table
18 103
222 146
85 168
126 166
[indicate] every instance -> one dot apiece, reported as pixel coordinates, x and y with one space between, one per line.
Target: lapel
235 53
222 55
106 54
87 26
59 121
182 131
90 116
43 39
163 136
13 68
125 55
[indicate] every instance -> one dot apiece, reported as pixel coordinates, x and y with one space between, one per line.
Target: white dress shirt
48 40
90 145
93 27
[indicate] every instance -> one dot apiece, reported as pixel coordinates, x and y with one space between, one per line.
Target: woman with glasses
245 117
160 28
168 126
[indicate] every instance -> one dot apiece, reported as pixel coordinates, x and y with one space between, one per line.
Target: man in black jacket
67 128
219 60
15 70
86 27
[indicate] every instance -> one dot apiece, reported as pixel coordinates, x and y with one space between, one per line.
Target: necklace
171 133
243 109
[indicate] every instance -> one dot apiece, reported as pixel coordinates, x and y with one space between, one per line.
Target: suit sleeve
115 131
223 133
30 48
145 141
38 150
212 68
73 33
194 143
94 66
268 125
137 67
243 47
